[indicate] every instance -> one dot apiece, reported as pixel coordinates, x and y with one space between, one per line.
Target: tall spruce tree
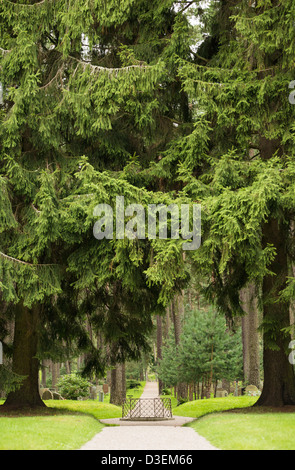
107 98
207 352
86 98
239 161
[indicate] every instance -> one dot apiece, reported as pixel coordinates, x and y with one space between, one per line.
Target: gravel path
147 438
148 435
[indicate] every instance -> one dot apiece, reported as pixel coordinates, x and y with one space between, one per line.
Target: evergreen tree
207 352
86 99
238 160
169 364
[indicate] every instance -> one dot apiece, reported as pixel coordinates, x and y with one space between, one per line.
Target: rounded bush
73 386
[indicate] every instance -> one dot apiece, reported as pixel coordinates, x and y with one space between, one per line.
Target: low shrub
131 384
73 387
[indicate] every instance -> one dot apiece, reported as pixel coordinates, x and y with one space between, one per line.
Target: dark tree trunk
279 379
167 321
250 324
118 385
25 362
44 373
55 375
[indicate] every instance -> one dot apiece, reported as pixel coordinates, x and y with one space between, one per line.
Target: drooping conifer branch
28 4
110 70
15 260
4 51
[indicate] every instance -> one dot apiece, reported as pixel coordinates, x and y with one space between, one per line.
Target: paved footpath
148 435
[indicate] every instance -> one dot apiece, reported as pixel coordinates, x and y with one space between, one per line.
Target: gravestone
57 396
221 393
105 388
46 394
93 393
232 388
251 389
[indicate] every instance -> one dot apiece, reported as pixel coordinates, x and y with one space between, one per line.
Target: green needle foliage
207 350
102 99
89 98
238 160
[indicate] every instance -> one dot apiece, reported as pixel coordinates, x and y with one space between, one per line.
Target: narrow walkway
148 435
148 438
151 390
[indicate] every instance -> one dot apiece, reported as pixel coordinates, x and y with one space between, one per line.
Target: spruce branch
195 54
58 74
27 4
24 262
35 209
5 51
109 69
186 7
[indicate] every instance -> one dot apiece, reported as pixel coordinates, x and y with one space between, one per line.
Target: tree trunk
118 385
55 375
250 324
44 372
167 321
123 372
25 362
202 388
191 391
177 315
210 377
68 367
159 348
141 371
292 303
279 379
245 340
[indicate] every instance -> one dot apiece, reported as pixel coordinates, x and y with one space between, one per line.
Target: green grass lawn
198 408
62 425
91 407
69 424
136 392
60 432
246 428
248 431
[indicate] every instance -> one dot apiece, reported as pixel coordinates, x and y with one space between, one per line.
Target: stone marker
46 394
93 393
221 393
251 389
